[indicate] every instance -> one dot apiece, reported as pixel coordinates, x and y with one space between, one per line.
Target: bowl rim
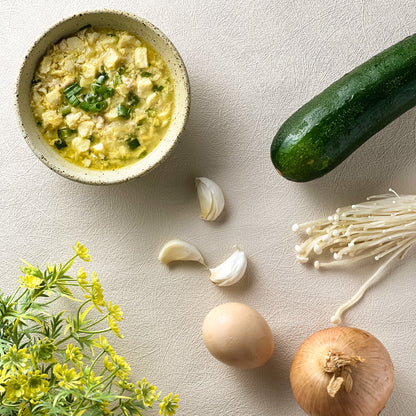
104 180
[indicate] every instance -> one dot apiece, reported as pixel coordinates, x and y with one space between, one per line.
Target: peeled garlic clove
231 271
175 250
211 198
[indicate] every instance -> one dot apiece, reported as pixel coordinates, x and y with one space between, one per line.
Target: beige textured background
251 64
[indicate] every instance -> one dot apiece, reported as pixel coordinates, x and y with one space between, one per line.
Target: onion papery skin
373 380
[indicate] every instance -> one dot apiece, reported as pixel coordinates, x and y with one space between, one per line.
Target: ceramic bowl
117 20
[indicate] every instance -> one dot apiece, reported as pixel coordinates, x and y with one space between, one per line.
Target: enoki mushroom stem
383 225
339 365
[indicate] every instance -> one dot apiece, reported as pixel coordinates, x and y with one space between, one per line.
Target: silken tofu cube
140 57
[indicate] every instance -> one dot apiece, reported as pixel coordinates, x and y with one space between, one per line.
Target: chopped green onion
65 132
90 98
35 81
101 79
97 106
95 88
133 143
117 80
84 106
146 74
65 110
158 87
60 144
133 99
123 111
143 154
102 90
72 90
73 100
94 107
106 92
122 70
141 122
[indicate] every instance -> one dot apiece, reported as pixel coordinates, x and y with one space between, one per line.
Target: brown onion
342 371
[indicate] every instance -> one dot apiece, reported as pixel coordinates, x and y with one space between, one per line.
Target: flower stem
97 322
95 332
97 358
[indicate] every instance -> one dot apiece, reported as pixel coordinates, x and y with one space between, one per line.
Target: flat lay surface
250 65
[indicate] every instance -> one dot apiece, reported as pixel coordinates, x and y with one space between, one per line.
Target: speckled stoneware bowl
117 20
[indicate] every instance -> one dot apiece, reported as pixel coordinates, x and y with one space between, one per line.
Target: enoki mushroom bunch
384 225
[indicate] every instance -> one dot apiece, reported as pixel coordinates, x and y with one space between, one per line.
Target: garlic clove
176 250
231 270
211 198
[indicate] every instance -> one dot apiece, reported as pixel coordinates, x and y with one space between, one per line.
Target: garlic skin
211 198
231 270
178 250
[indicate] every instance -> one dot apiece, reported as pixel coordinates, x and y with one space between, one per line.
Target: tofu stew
102 98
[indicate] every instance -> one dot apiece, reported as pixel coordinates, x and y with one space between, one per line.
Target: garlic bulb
211 198
179 250
342 371
231 271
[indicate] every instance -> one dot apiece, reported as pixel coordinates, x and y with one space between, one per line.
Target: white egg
238 335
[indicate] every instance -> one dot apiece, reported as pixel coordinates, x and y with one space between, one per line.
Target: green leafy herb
122 70
133 99
158 87
59 363
146 74
133 143
60 144
123 111
141 122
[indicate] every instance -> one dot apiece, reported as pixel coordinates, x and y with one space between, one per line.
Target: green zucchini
326 130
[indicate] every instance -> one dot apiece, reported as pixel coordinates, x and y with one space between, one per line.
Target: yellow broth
102 98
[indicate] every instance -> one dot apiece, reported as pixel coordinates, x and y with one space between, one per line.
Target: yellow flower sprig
47 367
